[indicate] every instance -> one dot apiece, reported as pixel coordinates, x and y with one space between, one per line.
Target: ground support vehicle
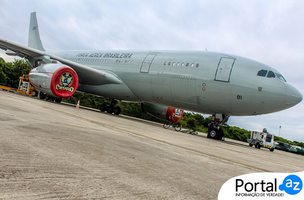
262 139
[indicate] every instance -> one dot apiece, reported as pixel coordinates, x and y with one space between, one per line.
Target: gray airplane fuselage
199 81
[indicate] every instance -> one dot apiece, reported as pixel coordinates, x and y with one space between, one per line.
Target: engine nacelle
163 112
54 79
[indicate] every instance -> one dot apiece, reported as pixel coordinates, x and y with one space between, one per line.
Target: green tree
10 72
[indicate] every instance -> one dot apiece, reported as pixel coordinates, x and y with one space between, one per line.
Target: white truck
262 139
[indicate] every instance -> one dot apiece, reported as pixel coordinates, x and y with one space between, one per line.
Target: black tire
272 149
220 134
51 99
110 109
117 110
103 107
257 145
42 95
166 125
250 144
58 100
177 127
35 93
214 134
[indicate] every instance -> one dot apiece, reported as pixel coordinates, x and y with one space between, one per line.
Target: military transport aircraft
206 82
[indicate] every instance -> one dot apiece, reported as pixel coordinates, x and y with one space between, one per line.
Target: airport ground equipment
24 87
261 139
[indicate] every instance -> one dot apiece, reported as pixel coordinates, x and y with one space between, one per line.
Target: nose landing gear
217 132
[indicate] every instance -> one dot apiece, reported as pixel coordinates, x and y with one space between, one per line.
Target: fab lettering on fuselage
104 55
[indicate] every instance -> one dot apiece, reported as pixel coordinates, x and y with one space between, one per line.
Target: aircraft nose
292 96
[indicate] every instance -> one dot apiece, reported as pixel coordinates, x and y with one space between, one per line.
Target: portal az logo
292 185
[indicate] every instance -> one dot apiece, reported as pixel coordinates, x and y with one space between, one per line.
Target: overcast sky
269 31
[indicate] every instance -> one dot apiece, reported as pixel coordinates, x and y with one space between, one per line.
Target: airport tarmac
51 150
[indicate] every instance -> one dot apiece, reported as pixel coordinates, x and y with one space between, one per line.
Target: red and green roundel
64 82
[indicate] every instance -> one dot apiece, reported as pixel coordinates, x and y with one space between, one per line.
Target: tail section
34 40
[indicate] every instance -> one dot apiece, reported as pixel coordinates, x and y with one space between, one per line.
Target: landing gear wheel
213 134
110 109
216 134
35 93
42 95
257 145
51 99
103 107
117 110
58 100
177 127
220 134
166 125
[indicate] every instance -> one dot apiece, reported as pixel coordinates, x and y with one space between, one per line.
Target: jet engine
56 80
163 112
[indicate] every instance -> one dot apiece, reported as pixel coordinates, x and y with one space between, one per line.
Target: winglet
34 40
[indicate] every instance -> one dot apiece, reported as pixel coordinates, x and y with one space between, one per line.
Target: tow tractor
24 87
262 139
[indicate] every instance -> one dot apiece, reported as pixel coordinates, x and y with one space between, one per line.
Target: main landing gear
217 132
110 108
49 98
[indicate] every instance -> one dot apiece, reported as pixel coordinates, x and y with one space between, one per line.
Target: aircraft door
224 69
146 64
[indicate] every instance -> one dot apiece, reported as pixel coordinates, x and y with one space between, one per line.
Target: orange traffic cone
77 106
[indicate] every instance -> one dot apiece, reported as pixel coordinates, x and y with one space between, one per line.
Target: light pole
280 130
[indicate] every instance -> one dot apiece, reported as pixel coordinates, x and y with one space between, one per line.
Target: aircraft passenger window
165 62
197 65
173 63
177 64
169 63
187 64
183 64
281 77
270 74
192 65
262 73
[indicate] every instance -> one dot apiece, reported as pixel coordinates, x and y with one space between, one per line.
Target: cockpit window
271 74
262 73
279 76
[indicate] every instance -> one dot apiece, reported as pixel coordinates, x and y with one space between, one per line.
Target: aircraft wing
20 50
87 75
